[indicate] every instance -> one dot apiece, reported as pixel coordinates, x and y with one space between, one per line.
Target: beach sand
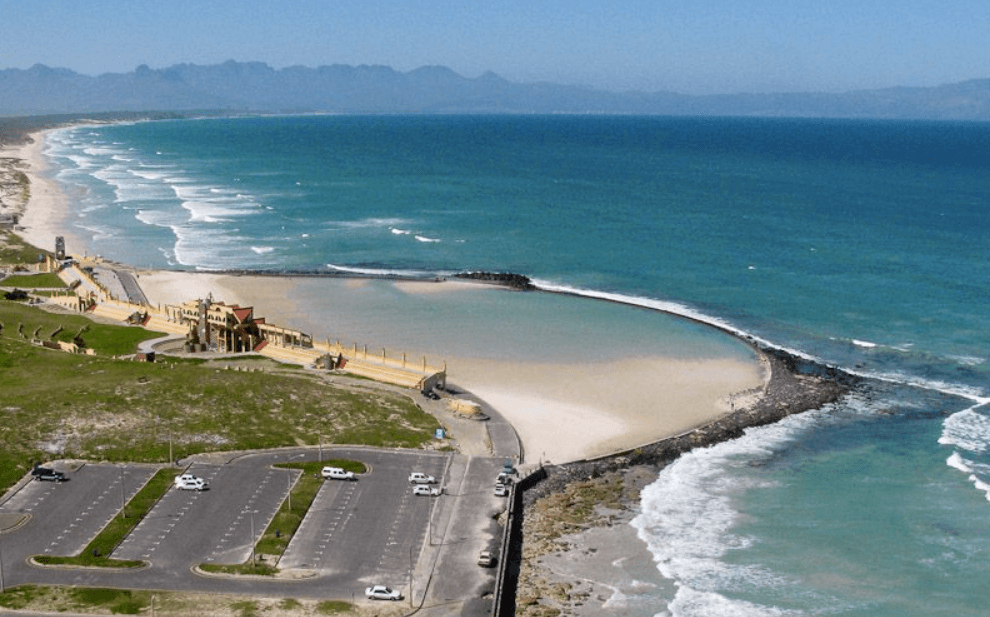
562 410
45 215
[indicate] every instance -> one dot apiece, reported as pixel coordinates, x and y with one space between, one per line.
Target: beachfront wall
399 369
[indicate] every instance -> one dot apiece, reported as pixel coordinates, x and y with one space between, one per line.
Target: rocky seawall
604 493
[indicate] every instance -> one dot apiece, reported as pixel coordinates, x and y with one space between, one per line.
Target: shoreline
605 563
778 390
610 406
45 214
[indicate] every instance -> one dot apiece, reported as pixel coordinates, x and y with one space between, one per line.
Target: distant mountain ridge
257 87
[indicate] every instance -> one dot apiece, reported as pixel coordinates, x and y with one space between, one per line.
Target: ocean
858 244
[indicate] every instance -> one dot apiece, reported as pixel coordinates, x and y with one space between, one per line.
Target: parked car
501 490
44 474
422 489
189 482
486 559
503 478
337 473
381 592
421 478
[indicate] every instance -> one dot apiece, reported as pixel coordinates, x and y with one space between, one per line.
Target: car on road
417 477
501 490
381 592
189 482
486 559
44 474
422 489
337 473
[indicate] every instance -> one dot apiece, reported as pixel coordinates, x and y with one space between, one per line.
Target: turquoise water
861 244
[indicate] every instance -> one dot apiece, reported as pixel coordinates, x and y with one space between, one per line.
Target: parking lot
356 532
66 516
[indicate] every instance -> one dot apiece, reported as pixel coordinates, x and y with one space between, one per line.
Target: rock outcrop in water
508 279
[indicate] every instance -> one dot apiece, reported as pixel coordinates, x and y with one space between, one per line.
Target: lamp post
2 590
123 502
253 561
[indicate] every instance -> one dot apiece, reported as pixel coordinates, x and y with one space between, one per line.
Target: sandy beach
44 216
563 411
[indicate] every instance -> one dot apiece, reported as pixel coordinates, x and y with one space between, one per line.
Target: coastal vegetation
62 405
15 254
98 600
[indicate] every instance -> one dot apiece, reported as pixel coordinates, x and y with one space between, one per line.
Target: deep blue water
862 244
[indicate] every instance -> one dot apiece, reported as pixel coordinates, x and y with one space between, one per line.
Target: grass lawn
33 281
19 320
60 405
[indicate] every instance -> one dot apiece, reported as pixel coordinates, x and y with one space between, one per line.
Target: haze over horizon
701 47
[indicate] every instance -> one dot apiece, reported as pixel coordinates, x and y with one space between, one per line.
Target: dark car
44 474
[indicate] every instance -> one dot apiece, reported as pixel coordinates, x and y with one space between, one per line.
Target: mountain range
255 87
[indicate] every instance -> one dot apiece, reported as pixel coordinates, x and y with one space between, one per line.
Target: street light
2 590
123 502
253 556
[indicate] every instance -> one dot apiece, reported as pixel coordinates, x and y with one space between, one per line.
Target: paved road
132 290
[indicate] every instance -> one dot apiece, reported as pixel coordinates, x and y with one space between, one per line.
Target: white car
336 473
381 592
184 477
426 490
501 490
190 484
421 478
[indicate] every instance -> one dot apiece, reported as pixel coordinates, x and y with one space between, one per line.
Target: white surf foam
967 429
687 519
974 471
380 272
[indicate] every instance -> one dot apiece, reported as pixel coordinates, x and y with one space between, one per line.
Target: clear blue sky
689 46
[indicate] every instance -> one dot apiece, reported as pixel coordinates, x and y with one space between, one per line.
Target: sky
686 46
